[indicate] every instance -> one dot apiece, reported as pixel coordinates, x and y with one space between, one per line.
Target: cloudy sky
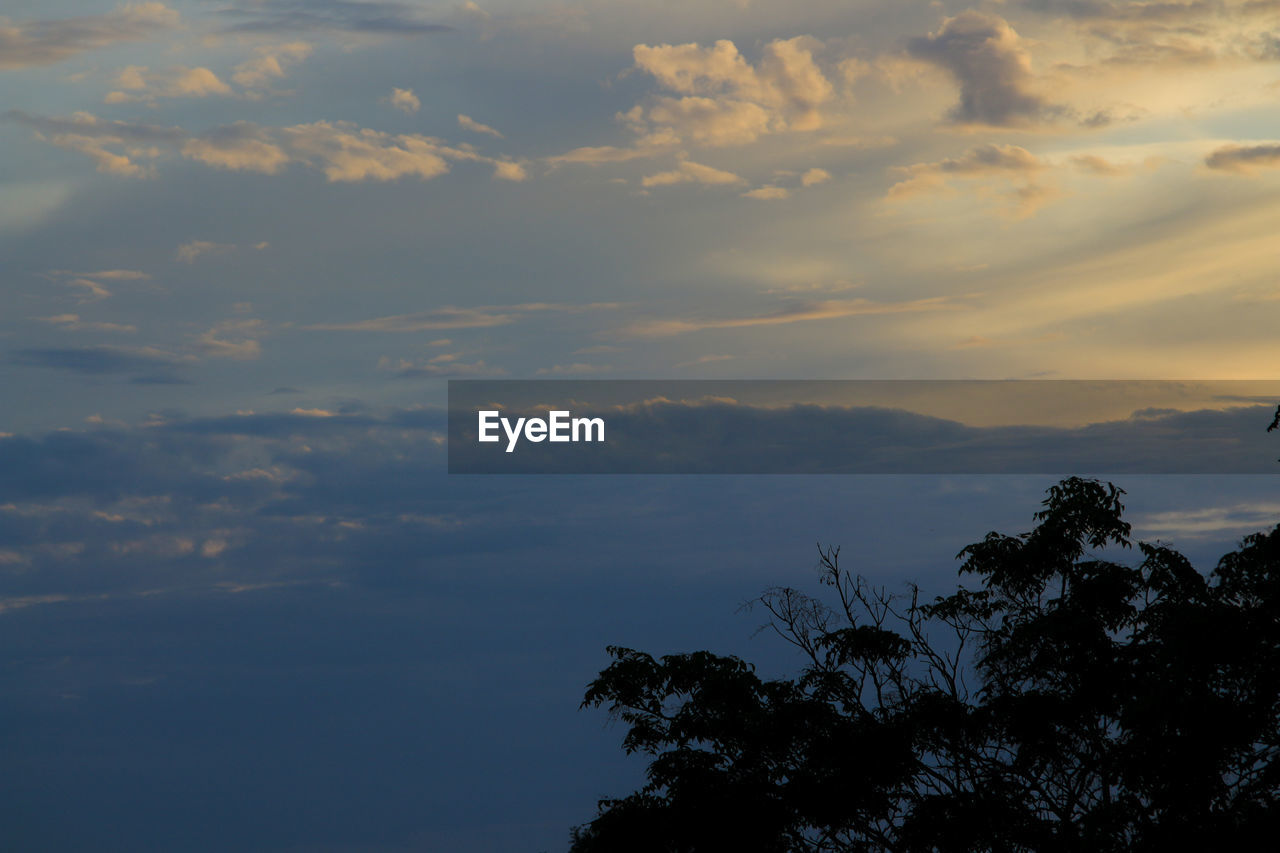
243 244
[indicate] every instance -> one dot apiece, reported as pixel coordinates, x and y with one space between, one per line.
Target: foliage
1064 703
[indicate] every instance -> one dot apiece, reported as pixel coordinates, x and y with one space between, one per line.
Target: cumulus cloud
786 82
32 43
688 172
712 96
1245 158
468 123
990 63
721 99
404 100
796 312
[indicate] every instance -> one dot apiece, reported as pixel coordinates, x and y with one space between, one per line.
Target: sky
245 243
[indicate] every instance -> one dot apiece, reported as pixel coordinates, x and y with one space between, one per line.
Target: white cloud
234 339
32 43
768 193
575 369
468 123
270 64
688 172
797 312
187 253
404 100
73 323
814 177
175 83
721 99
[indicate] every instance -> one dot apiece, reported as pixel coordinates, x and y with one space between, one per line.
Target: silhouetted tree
1066 703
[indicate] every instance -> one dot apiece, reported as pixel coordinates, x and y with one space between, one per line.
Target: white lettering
558 427
488 421
513 435
587 425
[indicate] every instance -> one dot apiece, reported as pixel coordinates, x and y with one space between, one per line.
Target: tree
1063 703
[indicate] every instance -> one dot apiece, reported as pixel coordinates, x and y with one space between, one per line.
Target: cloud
1245 159
468 123
439 367
648 146
1238 519
270 64
346 153
1010 163
188 253
33 43
114 275
73 323
90 290
242 146
404 100
450 317
98 360
990 159
89 283
796 312
352 16
234 339
990 63
724 99
705 359
689 172
712 96
174 83
814 176
767 193
1099 166
91 136
575 369
342 151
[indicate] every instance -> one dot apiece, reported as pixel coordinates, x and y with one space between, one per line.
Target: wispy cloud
450 317
369 17
342 151
798 312
44 42
468 123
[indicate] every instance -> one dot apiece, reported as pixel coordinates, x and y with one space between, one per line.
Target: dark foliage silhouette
1064 703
